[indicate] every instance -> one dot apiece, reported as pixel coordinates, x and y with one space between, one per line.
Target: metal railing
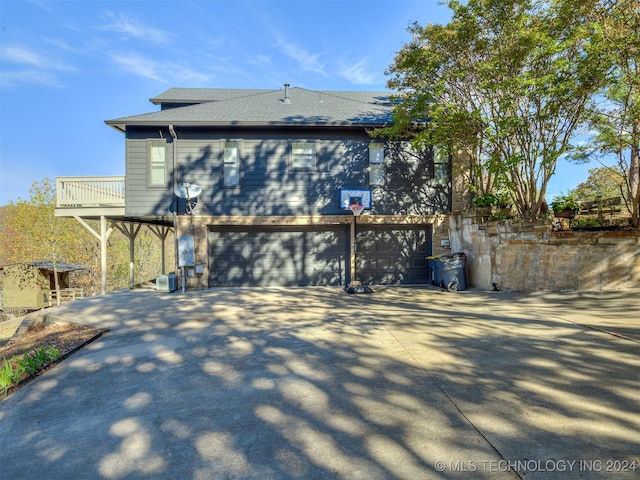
89 191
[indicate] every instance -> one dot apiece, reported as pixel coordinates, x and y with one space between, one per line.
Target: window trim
151 145
307 144
231 164
376 164
441 174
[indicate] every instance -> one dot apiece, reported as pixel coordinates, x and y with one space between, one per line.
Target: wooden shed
32 285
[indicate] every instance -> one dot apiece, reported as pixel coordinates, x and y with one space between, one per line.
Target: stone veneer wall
528 256
461 195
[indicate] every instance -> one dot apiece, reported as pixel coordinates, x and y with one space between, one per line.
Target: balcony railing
89 192
66 295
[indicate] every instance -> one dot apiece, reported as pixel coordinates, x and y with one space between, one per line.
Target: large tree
30 231
602 183
508 80
29 228
616 118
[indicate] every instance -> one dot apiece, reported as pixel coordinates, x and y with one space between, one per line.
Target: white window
440 166
303 155
157 163
376 164
231 165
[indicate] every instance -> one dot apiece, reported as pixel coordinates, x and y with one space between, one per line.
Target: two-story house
258 184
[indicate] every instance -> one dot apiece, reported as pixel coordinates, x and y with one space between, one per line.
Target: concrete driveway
313 383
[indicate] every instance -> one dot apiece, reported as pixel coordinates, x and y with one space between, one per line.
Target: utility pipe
175 198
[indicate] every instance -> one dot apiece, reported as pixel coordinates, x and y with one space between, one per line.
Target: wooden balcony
89 196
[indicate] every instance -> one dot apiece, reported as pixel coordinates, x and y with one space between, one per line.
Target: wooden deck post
161 232
103 236
131 232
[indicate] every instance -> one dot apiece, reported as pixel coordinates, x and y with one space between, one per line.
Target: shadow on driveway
314 383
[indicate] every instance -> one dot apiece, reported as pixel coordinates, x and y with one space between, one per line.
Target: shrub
491 200
28 365
565 202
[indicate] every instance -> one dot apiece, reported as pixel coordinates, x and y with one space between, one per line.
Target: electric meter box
186 251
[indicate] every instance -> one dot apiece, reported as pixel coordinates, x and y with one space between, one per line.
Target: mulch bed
67 338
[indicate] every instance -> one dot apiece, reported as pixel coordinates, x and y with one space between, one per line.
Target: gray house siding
143 199
281 225
268 183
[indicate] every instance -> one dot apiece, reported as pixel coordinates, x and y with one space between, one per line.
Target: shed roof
266 108
48 265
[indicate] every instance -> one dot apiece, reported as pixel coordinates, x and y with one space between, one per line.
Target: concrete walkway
314 383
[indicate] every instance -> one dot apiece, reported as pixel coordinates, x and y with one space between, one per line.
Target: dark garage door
388 255
278 256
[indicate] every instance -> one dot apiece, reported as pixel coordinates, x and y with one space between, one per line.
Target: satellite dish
188 190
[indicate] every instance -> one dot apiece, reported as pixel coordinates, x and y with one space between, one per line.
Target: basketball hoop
356 209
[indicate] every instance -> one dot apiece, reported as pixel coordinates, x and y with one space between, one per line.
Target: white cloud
183 74
307 61
17 78
358 74
140 65
260 60
130 27
165 72
26 56
61 44
31 67
44 4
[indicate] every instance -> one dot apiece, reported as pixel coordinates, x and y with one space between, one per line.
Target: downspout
174 198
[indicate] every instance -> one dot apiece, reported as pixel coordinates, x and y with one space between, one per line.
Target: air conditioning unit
166 283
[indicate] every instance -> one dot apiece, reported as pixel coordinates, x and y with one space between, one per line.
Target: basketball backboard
349 197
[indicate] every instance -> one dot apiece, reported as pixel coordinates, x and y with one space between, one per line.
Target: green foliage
616 118
8 376
53 353
496 217
491 200
29 363
507 80
603 182
585 222
30 231
565 202
12 372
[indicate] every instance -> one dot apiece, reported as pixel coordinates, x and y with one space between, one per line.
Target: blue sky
67 66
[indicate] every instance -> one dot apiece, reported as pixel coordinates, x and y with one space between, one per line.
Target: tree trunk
56 280
634 181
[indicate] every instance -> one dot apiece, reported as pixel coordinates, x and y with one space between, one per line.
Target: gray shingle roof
48 265
266 107
201 95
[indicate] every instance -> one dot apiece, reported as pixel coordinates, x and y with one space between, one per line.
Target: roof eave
121 126
118 126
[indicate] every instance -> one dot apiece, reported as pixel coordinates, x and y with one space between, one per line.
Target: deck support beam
103 236
161 232
130 230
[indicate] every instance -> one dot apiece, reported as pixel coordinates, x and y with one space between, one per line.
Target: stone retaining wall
529 256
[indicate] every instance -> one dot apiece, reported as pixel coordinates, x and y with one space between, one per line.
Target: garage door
392 255
278 256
